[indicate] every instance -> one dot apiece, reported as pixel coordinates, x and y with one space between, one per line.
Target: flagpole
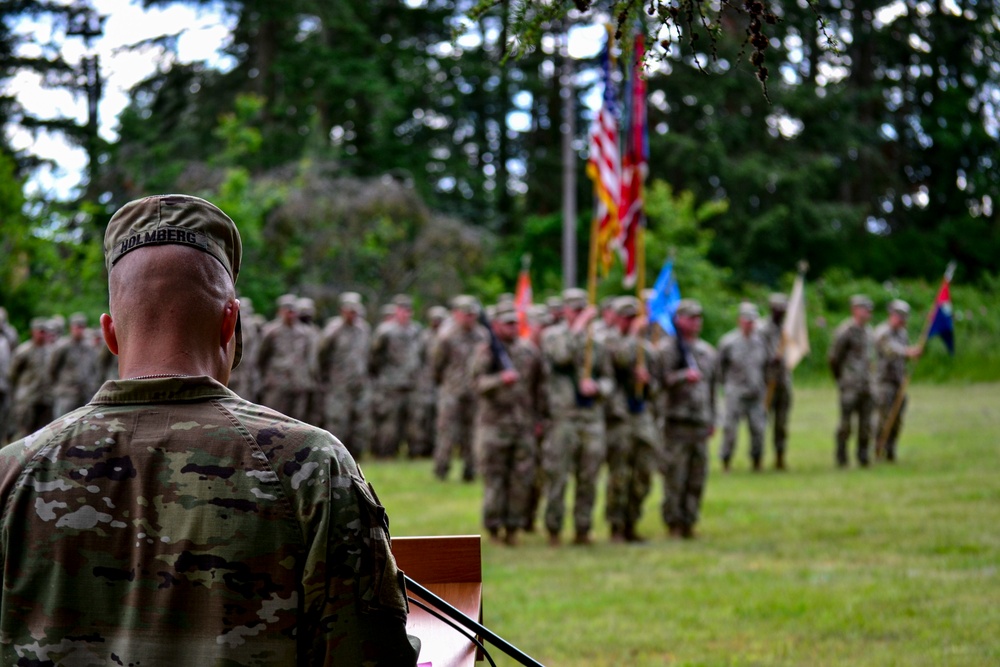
897 403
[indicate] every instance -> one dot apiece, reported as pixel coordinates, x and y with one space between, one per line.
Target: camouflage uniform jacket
28 379
516 405
776 370
394 358
451 359
285 356
563 355
626 400
851 354
741 364
72 369
4 369
892 345
170 522
343 354
689 403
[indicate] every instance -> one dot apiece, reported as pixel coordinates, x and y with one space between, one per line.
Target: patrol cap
626 306
177 220
437 313
388 310
861 301
505 312
607 302
78 319
689 308
505 297
554 302
289 301
465 303
574 298
351 301
539 314
57 324
174 219
899 307
778 301
39 324
748 311
305 306
402 300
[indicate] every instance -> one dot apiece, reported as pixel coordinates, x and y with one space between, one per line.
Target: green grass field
893 565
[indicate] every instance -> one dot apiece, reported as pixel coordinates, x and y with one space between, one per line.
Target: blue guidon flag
943 324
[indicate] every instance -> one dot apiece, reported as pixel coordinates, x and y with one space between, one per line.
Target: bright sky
202 33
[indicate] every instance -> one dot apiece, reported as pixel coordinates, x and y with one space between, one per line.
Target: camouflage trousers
424 425
781 408
685 468
854 401
887 392
574 446
393 415
507 463
633 447
29 416
456 416
752 409
287 401
347 415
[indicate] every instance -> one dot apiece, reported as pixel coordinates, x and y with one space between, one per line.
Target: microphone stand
481 630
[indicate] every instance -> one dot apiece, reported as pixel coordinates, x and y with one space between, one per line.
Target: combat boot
756 464
511 539
554 538
582 538
779 463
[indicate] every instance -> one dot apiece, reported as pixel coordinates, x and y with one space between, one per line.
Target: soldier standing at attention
283 360
343 368
575 443
305 308
456 393
178 523
505 422
72 368
425 401
777 375
689 377
29 382
393 364
850 357
742 358
633 441
894 350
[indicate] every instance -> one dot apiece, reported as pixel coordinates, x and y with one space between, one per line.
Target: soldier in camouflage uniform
179 524
283 360
456 393
72 368
850 357
777 376
8 331
633 442
306 310
393 364
245 380
575 442
29 383
505 424
4 390
343 368
425 400
688 367
894 350
742 359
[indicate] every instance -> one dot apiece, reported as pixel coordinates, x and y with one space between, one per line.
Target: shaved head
168 305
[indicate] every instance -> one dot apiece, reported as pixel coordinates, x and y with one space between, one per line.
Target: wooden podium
451 568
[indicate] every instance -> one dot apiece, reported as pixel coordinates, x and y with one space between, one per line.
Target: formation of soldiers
527 400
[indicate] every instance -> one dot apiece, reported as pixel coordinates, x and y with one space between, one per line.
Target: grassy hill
893 565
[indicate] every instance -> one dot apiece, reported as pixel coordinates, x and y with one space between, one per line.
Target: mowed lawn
892 565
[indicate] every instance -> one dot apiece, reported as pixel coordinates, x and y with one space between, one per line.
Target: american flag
604 164
635 165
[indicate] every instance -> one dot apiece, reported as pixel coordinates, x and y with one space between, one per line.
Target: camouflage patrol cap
402 300
78 319
39 324
748 311
899 307
626 306
289 301
574 298
177 220
465 303
607 302
861 301
437 313
689 308
388 310
778 301
554 302
351 301
305 306
505 312
505 297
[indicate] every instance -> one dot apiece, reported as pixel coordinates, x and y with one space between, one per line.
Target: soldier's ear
229 318
110 336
